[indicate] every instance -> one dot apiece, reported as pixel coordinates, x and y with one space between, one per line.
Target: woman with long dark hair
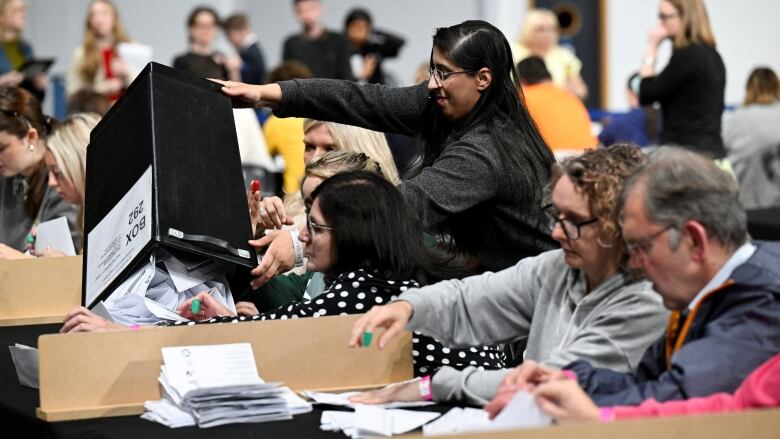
484 161
25 200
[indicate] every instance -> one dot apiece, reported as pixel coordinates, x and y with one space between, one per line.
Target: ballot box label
119 237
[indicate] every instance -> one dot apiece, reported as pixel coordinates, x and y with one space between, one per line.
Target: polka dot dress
355 293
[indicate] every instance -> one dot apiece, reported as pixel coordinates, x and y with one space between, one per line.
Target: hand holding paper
54 234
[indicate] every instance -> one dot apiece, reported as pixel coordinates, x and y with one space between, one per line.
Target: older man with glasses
684 227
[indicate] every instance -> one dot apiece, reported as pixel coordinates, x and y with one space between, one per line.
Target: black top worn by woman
465 192
691 92
356 292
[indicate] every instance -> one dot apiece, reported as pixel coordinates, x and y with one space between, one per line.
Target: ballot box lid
163 169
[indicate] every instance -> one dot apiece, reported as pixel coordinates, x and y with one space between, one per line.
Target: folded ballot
371 421
215 385
522 411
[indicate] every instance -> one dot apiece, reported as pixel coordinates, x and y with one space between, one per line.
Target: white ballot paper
136 55
151 294
54 234
215 385
521 412
371 421
26 362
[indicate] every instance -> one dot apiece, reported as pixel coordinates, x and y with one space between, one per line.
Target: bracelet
425 388
570 374
298 247
135 326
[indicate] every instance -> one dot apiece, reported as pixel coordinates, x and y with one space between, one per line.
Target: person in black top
325 53
202 60
369 46
245 42
484 163
691 87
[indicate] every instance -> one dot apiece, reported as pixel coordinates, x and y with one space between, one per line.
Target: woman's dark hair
194 15
524 154
20 111
374 229
355 15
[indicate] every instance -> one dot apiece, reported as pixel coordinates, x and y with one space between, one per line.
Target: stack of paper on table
215 385
371 421
521 412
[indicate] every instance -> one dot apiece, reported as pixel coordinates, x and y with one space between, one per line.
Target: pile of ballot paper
155 291
218 384
387 420
371 421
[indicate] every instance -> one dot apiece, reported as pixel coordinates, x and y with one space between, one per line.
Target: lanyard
675 337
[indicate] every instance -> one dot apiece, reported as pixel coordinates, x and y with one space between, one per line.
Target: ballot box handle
210 242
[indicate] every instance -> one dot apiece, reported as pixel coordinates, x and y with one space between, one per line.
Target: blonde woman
96 64
273 213
691 87
66 156
14 51
539 37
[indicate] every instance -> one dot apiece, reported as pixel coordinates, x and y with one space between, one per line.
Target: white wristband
297 245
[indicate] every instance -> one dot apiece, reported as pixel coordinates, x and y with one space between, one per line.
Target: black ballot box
163 169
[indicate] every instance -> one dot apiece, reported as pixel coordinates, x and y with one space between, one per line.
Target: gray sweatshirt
543 303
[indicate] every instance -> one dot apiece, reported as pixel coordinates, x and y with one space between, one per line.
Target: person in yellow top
539 37
284 137
561 117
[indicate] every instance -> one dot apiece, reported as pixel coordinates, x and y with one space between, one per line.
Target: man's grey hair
680 185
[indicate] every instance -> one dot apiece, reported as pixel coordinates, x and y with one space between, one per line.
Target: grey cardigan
14 222
544 303
464 192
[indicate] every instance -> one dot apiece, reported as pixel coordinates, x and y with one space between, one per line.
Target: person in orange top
560 115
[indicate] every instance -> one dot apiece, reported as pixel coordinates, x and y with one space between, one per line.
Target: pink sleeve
719 402
760 389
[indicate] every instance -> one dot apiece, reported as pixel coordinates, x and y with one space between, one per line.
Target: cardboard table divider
102 374
40 290
754 424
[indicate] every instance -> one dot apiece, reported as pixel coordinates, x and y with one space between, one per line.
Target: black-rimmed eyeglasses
570 228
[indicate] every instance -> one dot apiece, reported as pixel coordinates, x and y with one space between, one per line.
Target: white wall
746 30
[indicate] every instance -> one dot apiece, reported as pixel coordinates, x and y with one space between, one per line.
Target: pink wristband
425 388
570 375
135 326
606 414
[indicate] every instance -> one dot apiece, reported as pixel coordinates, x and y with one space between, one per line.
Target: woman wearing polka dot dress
361 234
579 302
